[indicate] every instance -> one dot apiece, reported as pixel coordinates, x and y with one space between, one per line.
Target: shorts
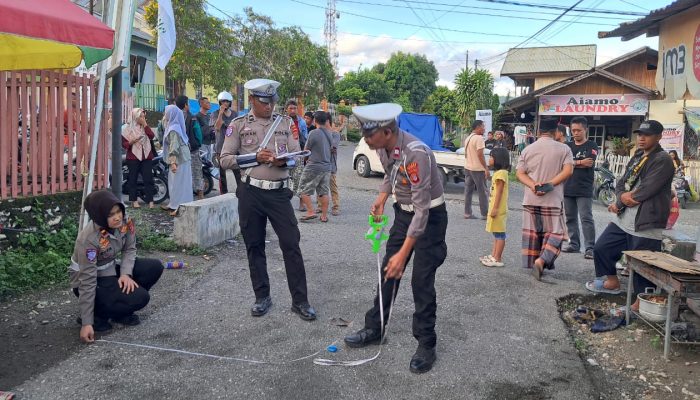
315 181
499 235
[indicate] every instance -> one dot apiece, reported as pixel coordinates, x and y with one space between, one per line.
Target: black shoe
128 320
569 249
423 360
305 311
363 337
98 325
589 254
261 307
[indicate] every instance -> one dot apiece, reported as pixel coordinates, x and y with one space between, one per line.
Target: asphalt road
499 332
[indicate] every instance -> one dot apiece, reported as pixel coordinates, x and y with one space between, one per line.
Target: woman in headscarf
176 151
105 274
136 139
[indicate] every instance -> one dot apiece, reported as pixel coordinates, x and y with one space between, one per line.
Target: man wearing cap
642 208
264 194
420 222
543 167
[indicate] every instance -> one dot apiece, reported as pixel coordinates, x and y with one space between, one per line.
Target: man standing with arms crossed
578 189
476 172
420 223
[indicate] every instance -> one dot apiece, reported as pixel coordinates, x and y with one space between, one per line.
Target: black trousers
111 302
255 207
223 185
608 250
145 168
430 252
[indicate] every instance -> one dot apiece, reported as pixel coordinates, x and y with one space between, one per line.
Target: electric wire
556 7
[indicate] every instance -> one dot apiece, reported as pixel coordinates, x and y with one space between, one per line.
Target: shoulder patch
418 146
91 255
229 131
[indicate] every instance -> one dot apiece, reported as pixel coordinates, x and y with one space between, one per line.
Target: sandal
307 218
596 286
324 219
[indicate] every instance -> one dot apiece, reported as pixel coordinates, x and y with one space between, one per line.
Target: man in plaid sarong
543 167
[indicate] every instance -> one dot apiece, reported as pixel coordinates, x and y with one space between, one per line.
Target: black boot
128 320
423 360
363 337
305 311
261 306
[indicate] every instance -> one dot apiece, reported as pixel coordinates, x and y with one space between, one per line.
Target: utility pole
476 65
466 62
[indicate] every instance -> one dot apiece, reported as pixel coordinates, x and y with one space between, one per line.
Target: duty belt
266 185
75 267
433 203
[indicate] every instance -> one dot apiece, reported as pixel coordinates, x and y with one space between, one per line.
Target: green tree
443 103
203 54
411 75
286 55
474 91
370 83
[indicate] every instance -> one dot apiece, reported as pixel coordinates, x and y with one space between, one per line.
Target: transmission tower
331 34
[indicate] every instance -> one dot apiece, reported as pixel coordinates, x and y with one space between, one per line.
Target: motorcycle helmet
224 96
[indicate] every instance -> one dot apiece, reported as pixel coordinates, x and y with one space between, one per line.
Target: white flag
166 32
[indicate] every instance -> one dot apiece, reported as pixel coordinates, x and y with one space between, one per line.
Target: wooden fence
46 127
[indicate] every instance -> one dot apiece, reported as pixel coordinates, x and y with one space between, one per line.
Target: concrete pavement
499 332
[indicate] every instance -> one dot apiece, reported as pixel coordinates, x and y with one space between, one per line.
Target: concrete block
207 222
679 244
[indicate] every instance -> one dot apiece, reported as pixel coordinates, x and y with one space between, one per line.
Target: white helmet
224 96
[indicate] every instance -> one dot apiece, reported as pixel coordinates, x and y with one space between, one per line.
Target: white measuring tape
353 363
317 361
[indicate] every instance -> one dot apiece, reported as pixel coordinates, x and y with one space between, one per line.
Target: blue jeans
576 207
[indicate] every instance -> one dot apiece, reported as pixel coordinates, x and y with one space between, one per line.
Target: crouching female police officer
420 223
264 194
106 289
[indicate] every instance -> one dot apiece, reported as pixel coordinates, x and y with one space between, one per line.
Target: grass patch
155 242
39 259
195 251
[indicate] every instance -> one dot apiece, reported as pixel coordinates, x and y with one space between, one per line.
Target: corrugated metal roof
630 30
531 60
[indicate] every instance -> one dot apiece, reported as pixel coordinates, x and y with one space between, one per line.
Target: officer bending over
420 222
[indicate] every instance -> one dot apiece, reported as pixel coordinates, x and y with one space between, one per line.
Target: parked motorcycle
209 172
682 187
604 184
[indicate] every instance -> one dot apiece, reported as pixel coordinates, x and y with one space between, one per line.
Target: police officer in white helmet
220 120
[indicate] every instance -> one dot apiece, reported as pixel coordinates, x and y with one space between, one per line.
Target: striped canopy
50 34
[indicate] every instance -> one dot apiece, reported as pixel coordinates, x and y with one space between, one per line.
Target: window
597 134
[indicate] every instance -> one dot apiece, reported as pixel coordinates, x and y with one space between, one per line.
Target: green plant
23 267
580 345
354 135
196 251
155 241
656 341
622 146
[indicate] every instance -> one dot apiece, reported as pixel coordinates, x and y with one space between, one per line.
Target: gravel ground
500 335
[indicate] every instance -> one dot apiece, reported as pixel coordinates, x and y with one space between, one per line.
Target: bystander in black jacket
653 191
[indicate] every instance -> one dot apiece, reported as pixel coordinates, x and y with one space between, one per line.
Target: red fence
46 125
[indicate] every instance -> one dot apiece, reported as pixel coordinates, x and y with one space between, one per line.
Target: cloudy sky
369 31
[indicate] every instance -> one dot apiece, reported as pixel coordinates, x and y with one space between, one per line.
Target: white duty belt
266 185
75 267
438 201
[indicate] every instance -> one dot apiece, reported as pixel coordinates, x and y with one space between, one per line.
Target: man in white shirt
476 172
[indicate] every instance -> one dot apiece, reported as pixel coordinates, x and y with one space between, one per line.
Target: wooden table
678 277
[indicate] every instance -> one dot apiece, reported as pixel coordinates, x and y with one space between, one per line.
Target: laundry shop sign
575 104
